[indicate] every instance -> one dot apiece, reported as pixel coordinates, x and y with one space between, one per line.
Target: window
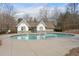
23 28
41 28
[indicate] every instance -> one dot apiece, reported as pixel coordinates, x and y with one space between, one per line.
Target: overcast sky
33 8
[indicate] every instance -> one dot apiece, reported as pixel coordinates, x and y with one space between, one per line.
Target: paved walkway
50 47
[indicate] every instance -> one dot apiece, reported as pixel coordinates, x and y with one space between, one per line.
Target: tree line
70 19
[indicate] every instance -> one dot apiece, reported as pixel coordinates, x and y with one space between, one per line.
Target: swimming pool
41 36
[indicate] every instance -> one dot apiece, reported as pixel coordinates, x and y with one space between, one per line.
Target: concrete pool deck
50 47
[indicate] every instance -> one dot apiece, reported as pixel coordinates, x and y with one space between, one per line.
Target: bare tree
69 20
55 14
72 8
43 13
26 17
8 22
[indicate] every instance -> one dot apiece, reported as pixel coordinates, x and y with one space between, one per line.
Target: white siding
40 25
22 25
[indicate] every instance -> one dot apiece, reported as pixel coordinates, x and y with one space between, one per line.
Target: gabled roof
50 24
42 23
23 21
32 23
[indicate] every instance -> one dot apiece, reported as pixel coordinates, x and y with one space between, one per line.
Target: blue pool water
41 36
